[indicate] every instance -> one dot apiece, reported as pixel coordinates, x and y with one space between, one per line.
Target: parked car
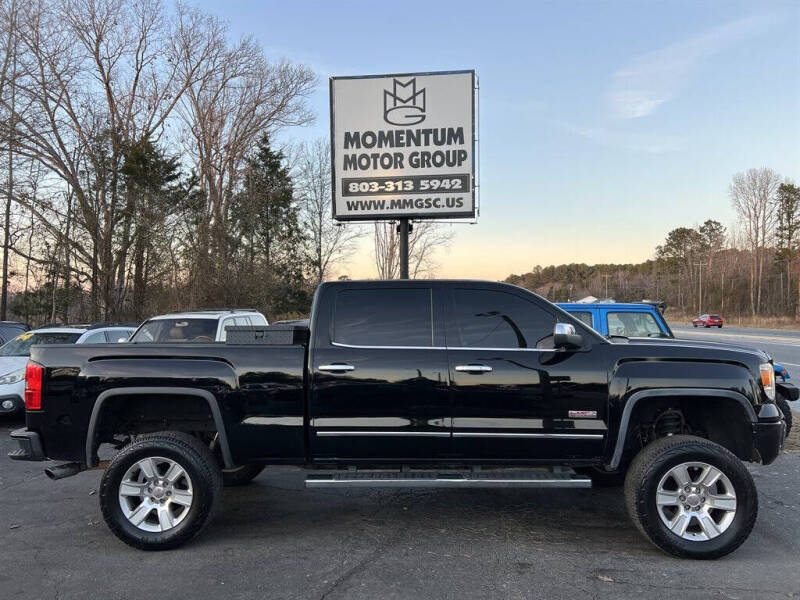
708 321
413 383
11 329
14 355
196 326
784 392
632 320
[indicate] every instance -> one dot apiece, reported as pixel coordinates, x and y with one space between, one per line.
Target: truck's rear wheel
160 491
691 497
783 404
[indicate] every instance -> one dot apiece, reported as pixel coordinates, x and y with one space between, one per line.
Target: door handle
336 368
474 368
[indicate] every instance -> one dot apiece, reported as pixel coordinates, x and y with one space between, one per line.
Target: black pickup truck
418 384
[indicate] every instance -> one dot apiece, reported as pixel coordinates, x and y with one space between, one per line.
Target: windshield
634 324
21 345
176 330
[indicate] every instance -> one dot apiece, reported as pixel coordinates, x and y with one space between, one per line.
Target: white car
14 355
195 326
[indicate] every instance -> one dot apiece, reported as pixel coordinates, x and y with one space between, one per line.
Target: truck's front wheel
691 497
160 491
786 409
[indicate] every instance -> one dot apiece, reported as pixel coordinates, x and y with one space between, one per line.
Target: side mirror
564 336
122 340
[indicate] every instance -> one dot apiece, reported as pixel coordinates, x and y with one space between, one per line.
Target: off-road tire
655 460
199 463
783 405
241 475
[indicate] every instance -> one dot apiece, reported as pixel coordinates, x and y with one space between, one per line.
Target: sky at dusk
603 125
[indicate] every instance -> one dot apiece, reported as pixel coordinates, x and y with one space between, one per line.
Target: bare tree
752 194
8 69
328 242
425 238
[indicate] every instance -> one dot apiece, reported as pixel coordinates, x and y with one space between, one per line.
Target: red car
708 321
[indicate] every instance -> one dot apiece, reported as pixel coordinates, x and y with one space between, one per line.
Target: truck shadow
276 506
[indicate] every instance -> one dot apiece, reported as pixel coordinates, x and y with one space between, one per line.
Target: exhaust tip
62 471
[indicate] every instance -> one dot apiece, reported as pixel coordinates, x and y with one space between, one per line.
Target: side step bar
529 478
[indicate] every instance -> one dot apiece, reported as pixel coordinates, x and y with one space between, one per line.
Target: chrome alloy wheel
696 501
155 494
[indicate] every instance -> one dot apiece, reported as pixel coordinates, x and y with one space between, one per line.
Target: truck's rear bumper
29 445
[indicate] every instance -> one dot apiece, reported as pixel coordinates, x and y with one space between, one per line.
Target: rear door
379 374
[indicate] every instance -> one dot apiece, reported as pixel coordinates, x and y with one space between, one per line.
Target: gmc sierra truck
413 384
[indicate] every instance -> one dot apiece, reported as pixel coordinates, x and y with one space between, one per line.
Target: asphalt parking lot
275 539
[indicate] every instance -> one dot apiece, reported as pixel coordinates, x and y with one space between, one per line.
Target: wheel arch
701 400
107 396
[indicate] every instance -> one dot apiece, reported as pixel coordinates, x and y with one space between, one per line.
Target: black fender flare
624 424
213 405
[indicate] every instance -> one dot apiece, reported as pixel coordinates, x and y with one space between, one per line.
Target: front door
514 397
379 376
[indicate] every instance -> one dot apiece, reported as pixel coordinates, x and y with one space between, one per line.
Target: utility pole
403 229
606 276
700 293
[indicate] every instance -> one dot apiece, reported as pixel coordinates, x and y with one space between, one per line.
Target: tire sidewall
746 497
109 497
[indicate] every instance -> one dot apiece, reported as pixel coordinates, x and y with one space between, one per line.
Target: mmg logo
404 105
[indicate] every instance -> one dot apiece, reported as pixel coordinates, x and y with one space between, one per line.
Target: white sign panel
403 146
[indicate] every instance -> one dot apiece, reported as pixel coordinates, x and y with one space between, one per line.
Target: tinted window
383 317
493 319
21 346
177 330
583 316
97 337
634 324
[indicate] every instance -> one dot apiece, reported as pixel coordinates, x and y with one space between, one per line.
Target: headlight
12 377
768 379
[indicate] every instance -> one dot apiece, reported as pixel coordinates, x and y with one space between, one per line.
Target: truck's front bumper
768 433
29 445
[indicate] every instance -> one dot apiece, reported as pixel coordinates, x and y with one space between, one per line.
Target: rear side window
383 317
634 324
584 317
98 337
494 319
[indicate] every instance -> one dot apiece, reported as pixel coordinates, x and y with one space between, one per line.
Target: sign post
403 148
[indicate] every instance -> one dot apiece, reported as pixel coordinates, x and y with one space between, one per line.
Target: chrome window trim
365 347
481 349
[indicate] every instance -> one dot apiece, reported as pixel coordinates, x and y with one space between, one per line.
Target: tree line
753 269
140 172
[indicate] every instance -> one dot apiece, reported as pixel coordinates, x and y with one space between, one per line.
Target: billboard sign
403 146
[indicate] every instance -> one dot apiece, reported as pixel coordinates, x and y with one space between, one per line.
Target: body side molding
158 391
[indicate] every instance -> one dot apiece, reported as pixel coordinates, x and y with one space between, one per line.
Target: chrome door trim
474 368
573 436
386 433
336 368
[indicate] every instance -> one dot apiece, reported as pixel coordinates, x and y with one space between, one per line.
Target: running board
529 478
